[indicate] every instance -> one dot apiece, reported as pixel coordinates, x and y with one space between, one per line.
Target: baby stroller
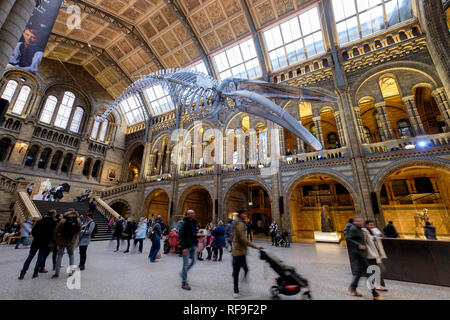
290 283
282 239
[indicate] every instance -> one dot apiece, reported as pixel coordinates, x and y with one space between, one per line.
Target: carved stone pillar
36 163
411 186
341 133
59 166
443 105
389 191
71 164
318 125
167 162
91 167
49 162
413 115
384 118
159 164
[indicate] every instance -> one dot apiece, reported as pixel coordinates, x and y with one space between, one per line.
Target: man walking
65 235
357 243
87 229
188 242
239 250
249 230
42 236
156 240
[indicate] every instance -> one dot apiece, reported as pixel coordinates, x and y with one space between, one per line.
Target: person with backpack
93 206
188 241
155 236
66 235
87 232
42 236
59 193
219 241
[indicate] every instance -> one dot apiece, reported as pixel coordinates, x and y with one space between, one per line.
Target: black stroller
290 283
282 239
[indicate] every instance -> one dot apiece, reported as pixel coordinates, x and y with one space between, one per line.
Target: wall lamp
22 146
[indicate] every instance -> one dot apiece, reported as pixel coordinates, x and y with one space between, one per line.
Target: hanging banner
30 48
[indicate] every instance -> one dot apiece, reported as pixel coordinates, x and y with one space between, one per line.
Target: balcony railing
315 156
409 143
56 136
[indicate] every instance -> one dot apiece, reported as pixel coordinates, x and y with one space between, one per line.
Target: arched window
21 100
65 109
103 131
94 132
49 109
76 121
10 89
404 128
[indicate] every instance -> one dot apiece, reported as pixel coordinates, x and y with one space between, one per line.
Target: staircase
81 208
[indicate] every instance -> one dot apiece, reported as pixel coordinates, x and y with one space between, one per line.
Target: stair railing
25 209
106 210
117 190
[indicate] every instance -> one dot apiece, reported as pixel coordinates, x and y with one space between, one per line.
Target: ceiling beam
176 9
256 39
127 28
97 52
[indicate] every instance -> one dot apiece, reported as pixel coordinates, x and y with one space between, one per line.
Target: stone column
12 29
384 118
389 191
341 133
411 186
71 164
5 9
144 162
49 162
59 166
167 164
301 145
91 167
159 164
151 162
36 163
413 115
318 125
443 104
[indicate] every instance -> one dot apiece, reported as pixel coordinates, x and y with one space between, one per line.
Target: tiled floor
110 275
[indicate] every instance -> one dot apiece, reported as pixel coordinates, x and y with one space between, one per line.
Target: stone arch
183 197
121 204
157 203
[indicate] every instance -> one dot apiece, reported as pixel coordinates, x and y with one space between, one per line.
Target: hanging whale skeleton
197 93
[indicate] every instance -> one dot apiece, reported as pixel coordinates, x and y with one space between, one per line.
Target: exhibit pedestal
329 237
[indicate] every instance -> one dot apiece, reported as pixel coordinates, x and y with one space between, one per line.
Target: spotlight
422 144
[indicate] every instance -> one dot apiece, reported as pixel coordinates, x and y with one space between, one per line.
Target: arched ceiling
120 40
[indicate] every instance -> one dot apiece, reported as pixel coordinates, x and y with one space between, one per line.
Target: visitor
430 231
65 235
52 245
208 243
110 225
87 230
375 251
201 236
93 206
348 226
356 241
390 231
11 231
219 241
30 189
118 231
155 237
42 236
59 193
25 231
173 240
52 193
188 240
82 218
128 233
45 195
273 229
229 233
140 233
239 252
210 225
249 230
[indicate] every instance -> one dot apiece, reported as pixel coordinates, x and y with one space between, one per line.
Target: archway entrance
199 200
319 206
413 195
134 164
157 204
5 145
121 208
253 198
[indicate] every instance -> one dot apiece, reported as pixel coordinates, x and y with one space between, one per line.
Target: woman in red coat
173 240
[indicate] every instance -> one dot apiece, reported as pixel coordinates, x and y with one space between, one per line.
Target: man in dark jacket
42 236
390 231
356 242
188 243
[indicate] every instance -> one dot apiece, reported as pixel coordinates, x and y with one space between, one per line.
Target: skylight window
240 61
295 40
200 67
133 109
159 100
358 19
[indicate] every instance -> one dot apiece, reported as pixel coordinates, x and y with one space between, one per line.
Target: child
200 245
209 239
173 240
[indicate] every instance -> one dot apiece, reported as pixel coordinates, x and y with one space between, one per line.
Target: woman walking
141 232
219 241
156 241
375 251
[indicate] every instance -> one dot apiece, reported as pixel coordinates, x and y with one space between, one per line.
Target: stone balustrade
409 143
197 172
114 191
136 127
12 123
158 178
7 184
55 136
97 147
331 154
